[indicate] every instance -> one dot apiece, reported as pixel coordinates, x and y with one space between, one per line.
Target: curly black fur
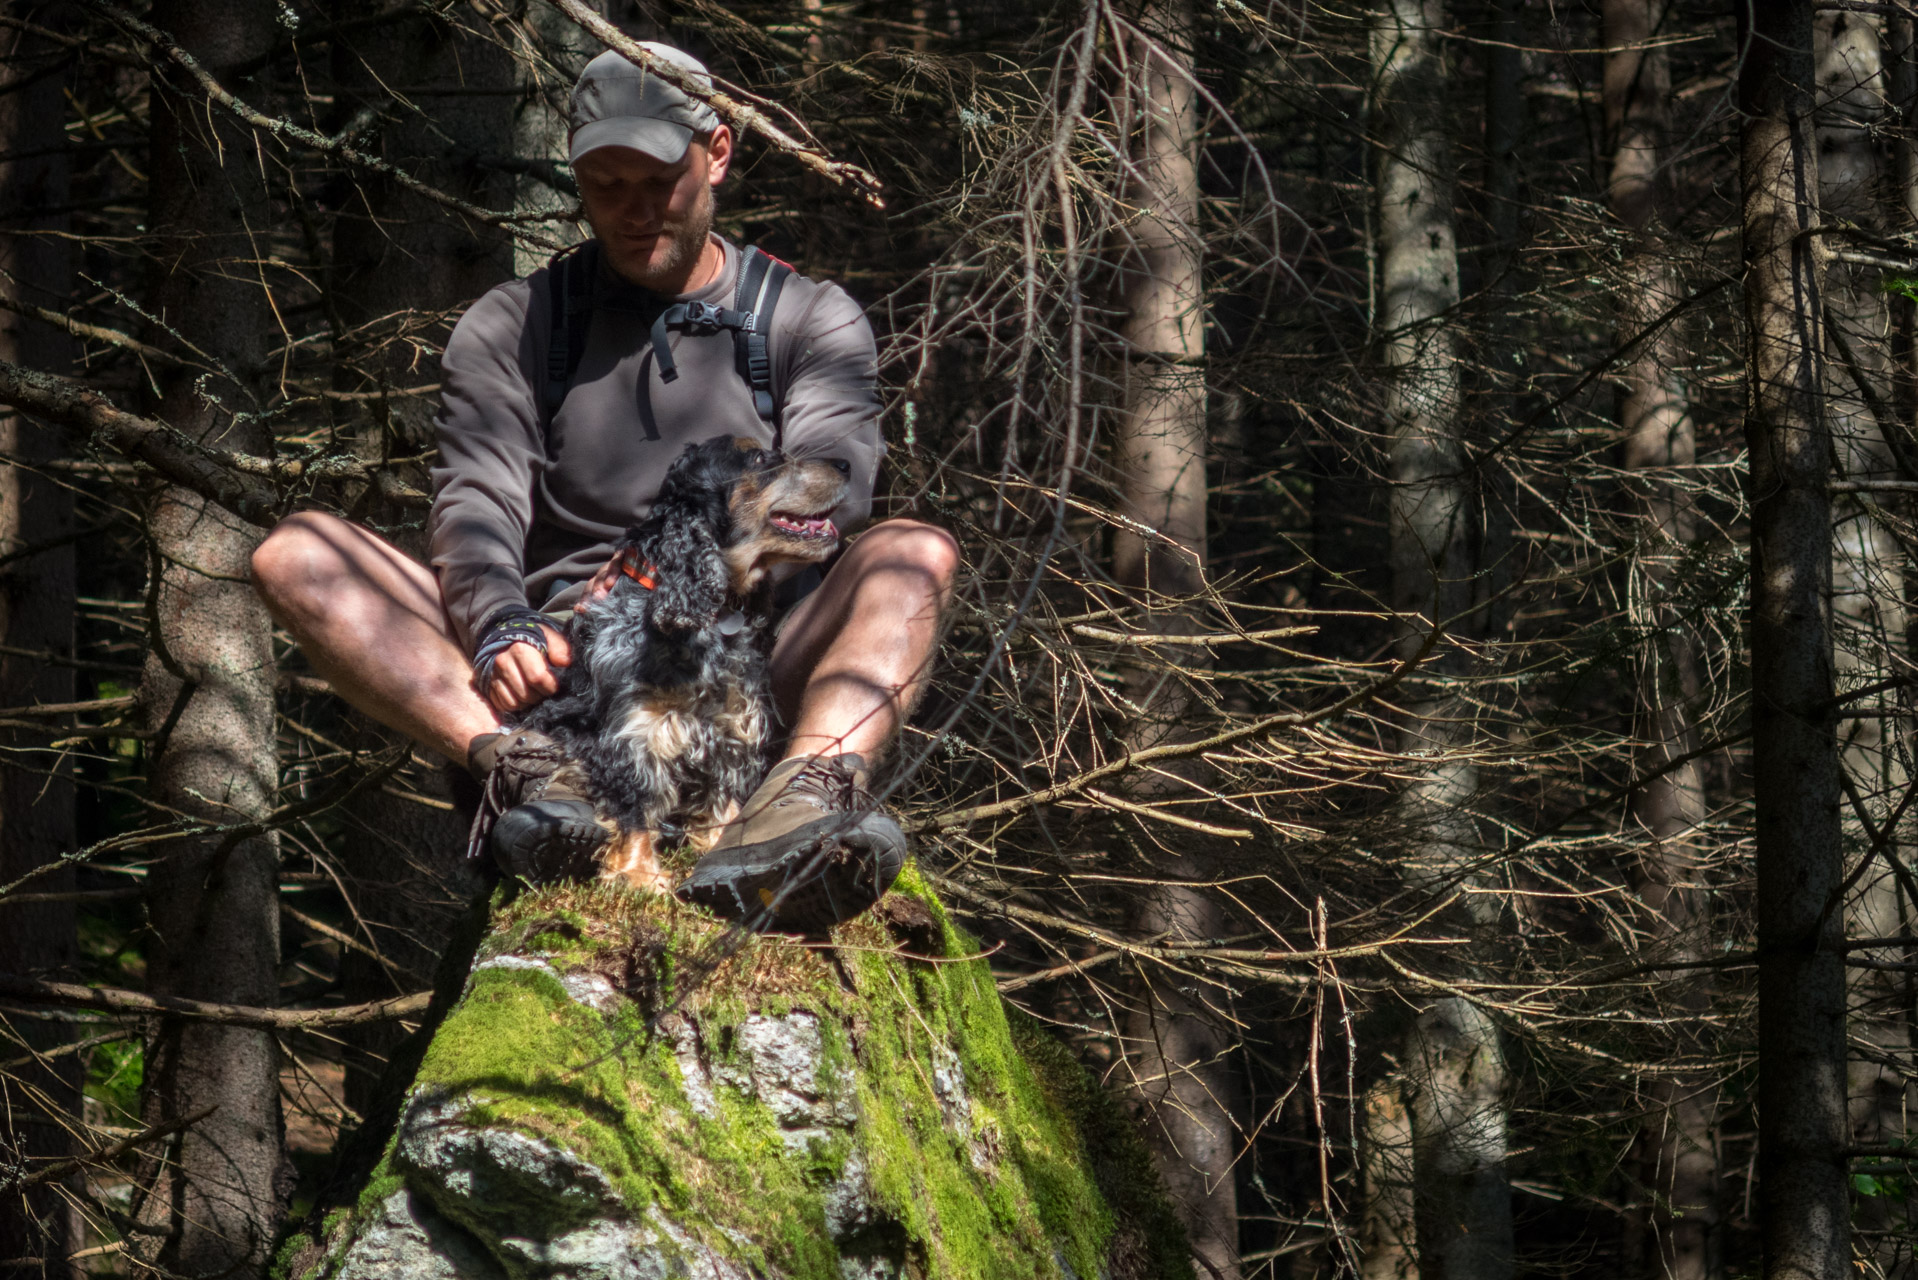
666 705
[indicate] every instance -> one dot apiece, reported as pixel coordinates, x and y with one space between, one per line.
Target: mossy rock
607 1099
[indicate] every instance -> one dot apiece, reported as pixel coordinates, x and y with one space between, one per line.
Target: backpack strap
761 277
569 285
695 318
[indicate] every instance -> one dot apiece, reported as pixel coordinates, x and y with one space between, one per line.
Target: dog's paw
631 860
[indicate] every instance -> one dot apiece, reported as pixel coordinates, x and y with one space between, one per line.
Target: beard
666 268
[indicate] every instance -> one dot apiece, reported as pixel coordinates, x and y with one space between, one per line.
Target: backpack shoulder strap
761 277
569 291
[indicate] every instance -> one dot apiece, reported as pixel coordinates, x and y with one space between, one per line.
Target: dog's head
727 513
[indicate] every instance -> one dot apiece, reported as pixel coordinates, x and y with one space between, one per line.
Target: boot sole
541 847
808 880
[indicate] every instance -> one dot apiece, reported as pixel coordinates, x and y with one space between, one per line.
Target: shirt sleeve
491 449
832 395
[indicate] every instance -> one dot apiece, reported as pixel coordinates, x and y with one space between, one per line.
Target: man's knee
296 556
915 547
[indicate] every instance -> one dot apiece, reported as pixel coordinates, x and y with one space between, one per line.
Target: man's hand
603 581
523 675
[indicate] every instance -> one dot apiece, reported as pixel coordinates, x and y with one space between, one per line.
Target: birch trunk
212 1202
36 614
1388 1248
1868 568
1176 1046
1673 1231
1803 1203
1455 1077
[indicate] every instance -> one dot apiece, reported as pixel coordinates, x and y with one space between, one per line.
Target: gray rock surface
485 1202
860 1113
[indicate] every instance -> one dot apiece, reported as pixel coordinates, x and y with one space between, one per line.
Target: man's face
652 218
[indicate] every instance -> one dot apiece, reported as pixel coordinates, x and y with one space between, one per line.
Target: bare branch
100 1155
116 1000
741 115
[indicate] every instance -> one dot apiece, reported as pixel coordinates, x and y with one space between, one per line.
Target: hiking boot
810 848
534 821
557 837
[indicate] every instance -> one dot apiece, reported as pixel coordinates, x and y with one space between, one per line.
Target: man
533 488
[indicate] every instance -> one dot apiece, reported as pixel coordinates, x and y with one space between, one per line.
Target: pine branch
288 131
100 1155
117 1000
743 116
236 481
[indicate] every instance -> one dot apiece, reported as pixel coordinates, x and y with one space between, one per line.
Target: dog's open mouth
819 526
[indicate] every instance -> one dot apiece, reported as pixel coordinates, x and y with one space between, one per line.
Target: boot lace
830 783
520 775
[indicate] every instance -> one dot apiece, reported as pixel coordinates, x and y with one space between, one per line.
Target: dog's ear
692 577
688 527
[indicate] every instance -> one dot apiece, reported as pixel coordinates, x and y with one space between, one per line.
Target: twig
71 708
346 940
78 895
112 1151
1182 750
81 329
61 1051
1161 815
286 129
742 116
53 659
230 480
1158 637
89 416
1008 985
1874 486
116 1000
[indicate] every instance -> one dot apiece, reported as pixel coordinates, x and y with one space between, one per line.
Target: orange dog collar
646 577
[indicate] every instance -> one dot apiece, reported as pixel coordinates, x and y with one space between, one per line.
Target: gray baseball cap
618 104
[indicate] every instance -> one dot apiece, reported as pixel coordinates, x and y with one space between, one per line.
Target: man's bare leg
369 619
856 654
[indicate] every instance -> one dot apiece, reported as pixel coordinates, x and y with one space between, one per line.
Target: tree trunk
539 129
1176 1046
36 613
1801 978
1901 47
400 267
1388 1249
213 1201
1676 1213
1504 129
1455 1078
1868 567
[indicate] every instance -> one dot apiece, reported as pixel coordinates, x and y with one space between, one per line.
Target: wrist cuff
515 624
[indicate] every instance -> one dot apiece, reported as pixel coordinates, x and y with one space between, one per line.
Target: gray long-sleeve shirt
522 509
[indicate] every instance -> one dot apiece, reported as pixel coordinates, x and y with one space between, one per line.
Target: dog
665 713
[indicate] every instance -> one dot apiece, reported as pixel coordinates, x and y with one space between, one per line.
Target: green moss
1154 1241
1034 1191
983 1160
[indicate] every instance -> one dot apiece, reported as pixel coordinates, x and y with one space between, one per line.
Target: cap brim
661 139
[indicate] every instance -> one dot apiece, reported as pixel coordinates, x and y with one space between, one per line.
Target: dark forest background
1435 642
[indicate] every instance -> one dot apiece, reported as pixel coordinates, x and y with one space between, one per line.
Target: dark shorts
564 595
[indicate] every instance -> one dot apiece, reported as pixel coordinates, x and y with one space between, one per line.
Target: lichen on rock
603 1103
